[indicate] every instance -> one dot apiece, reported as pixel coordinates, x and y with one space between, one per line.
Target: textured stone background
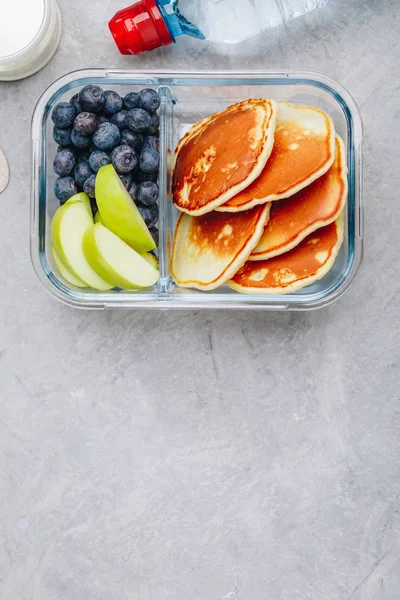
205 455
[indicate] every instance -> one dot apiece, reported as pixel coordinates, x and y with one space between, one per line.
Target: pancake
222 155
190 131
208 250
304 150
285 274
293 219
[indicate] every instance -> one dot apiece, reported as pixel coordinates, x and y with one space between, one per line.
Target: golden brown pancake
209 249
293 219
287 273
304 149
222 155
191 132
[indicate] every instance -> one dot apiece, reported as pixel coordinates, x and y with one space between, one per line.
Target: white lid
20 23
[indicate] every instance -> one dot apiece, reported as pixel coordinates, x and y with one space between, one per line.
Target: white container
30 32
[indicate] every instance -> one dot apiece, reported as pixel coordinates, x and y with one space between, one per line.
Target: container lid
140 27
4 172
20 24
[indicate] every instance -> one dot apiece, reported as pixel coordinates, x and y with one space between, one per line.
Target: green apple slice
151 259
81 197
114 260
64 272
67 229
97 218
119 213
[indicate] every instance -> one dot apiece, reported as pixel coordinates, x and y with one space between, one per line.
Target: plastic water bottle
233 21
149 24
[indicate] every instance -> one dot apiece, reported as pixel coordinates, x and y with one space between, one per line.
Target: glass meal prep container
186 98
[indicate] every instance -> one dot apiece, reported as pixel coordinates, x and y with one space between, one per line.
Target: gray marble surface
206 455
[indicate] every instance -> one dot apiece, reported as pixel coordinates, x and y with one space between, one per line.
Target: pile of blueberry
96 128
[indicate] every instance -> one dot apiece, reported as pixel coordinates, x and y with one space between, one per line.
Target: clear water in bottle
233 21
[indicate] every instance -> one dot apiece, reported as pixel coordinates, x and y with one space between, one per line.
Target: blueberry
64 188
113 103
82 172
133 191
141 177
147 193
155 234
63 163
124 158
135 140
119 119
149 214
149 160
98 159
150 141
79 140
126 179
63 115
103 119
154 124
86 123
76 104
94 207
137 120
71 148
89 186
62 136
91 98
107 136
131 101
149 100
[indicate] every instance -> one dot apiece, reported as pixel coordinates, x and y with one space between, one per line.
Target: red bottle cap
140 27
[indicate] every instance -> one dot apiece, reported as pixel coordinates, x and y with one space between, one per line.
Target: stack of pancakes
261 188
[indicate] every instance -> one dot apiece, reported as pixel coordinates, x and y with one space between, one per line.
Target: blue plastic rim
197 94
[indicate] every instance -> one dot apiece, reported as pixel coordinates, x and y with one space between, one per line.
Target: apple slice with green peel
64 272
114 260
81 197
119 213
67 229
97 218
151 259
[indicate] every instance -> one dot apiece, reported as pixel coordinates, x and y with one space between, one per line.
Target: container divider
164 198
